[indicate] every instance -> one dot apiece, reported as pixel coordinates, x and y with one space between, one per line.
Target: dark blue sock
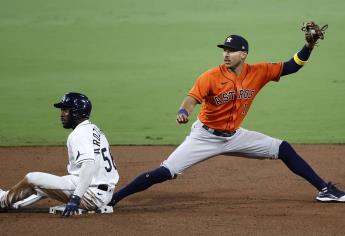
298 166
141 183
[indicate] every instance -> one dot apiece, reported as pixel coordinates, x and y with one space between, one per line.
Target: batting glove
72 206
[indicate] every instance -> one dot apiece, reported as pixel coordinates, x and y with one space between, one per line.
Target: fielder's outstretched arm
298 60
312 34
185 110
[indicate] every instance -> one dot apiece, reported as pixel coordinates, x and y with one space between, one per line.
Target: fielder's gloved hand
72 206
313 32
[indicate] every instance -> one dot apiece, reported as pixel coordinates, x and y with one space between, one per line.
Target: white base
59 210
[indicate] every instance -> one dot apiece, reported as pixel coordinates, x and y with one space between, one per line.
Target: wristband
302 56
298 60
183 111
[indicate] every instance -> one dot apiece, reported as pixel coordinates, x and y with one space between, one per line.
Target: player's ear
243 55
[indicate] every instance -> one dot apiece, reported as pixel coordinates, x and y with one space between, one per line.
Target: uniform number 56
106 158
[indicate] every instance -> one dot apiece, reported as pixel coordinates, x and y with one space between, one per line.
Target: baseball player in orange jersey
226 93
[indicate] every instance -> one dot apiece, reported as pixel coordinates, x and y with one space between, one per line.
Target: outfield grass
136 60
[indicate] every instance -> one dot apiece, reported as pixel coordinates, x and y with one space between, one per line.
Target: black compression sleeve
290 67
304 53
294 64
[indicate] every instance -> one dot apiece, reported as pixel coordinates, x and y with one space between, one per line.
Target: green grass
136 60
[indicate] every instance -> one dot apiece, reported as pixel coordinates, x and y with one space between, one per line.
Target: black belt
103 187
219 133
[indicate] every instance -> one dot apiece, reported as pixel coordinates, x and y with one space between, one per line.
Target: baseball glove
313 32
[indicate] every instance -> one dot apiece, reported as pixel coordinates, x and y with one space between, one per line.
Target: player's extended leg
27 201
255 144
328 192
44 184
298 166
196 148
141 183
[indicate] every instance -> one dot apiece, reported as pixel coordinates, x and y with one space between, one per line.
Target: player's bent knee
274 149
161 174
172 173
33 178
285 150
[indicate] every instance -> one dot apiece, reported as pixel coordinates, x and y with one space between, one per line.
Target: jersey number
105 158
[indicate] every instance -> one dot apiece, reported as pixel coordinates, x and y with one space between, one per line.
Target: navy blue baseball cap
235 42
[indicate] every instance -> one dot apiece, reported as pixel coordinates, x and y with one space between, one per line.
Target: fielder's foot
331 194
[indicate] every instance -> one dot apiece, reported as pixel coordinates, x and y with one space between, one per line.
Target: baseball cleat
331 194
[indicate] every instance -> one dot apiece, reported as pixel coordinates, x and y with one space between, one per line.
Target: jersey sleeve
82 148
274 71
200 88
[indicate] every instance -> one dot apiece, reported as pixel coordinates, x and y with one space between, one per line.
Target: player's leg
95 197
27 201
299 166
196 148
328 192
254 144
43 184
140 183
61 188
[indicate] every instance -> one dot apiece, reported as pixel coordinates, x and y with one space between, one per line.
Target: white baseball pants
201 145
58 188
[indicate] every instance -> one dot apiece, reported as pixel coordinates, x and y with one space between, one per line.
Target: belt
219 133
103 187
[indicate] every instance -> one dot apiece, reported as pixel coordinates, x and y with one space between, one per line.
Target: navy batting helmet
80 104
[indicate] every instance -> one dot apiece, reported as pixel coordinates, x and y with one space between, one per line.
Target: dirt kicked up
222 196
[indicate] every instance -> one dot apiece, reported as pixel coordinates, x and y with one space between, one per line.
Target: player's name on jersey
96 140
231 95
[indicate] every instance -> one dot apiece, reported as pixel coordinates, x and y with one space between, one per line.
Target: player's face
66 118
233 58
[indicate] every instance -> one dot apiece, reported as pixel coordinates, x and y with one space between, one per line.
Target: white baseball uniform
86 145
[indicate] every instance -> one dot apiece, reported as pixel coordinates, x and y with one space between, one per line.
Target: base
58 210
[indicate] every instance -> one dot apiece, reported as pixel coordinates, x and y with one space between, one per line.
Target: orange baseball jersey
226 98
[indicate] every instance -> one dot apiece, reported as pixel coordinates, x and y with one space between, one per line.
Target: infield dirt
222 196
